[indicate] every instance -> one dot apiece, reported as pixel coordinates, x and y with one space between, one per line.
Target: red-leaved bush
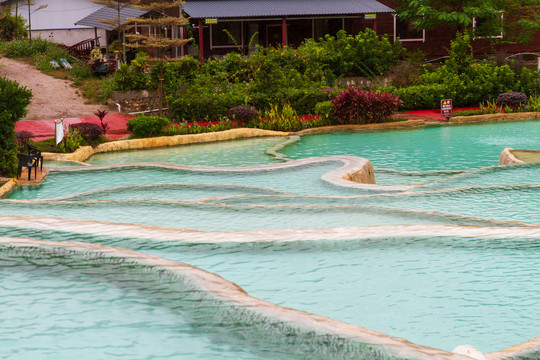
88 131
513 100
363 107
243 114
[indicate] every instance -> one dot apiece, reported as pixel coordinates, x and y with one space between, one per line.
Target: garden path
52 98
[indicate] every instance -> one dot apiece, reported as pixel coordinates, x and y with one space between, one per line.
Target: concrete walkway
44 129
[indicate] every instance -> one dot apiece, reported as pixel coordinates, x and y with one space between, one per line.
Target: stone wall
364 83
134 101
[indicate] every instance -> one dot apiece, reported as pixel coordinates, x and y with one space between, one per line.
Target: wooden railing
82 49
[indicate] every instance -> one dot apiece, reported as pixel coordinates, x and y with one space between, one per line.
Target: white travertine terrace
507 158
354 172
354 340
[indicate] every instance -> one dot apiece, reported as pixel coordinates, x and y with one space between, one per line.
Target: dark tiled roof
107 13
255 8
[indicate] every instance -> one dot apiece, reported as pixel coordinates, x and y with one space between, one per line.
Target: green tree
160 41
521 19
13 102
518 20
11 26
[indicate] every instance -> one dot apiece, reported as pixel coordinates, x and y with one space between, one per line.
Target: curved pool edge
84 152
7 187
511 156
283 324
494 117
529 350
508 158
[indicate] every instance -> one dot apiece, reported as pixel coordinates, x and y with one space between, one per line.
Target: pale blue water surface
434 291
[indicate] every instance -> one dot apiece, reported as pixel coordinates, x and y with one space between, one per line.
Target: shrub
364 107
23 48
243 114
209 102
284 119
425 96
147 126
88 131
13 102
365 54
22 138
72 140
513 100
324 108
131 77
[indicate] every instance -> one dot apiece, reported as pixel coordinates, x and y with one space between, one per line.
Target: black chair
35 153
28 162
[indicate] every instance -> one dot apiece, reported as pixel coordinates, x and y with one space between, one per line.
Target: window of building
406 32
330 26
226 35
488 28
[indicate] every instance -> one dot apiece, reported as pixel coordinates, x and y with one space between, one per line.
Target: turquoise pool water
439 291
452 147
47 313
242 152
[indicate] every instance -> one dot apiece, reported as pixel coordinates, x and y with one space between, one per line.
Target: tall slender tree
161 35
116 23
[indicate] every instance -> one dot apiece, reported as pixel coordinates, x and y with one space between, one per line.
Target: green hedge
13 102
147 126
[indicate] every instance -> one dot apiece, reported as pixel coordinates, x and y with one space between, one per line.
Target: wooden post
284 31
201 39
29 22
185 35
375 25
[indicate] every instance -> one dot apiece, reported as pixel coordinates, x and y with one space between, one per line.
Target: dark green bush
207 102
13 102
365 54
421 96
130 77
147 126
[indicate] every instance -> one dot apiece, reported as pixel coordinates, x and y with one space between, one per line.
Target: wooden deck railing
82 49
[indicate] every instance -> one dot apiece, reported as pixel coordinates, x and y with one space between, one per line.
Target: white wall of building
58 14
70 37
56 22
